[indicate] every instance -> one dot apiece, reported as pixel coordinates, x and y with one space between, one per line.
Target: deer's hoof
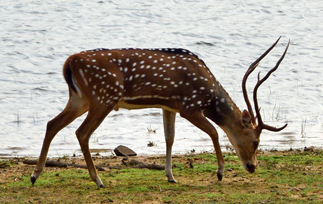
220 176
172 181
33 179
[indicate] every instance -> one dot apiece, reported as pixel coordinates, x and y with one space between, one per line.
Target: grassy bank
282 177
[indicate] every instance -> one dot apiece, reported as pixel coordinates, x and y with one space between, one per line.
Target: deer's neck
224 111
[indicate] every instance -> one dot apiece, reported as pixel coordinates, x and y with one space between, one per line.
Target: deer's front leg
197 118
169 129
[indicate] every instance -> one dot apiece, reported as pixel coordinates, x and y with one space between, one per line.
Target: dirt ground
13 169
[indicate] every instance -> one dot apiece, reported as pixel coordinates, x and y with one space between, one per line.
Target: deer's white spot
155 61
202 88
148 66
83 77
127 60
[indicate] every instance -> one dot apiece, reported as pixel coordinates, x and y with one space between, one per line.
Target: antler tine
261 125
251 68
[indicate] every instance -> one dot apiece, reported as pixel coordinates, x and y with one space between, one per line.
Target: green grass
283 178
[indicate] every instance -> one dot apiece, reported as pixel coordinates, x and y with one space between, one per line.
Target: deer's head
246 136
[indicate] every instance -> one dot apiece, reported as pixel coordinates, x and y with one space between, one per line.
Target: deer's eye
255 144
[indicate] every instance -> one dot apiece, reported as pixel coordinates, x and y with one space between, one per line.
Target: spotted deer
175 80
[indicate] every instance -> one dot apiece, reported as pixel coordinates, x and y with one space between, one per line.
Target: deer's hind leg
75 107
97 113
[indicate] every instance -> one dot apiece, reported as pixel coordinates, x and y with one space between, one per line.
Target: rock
124 151
309 149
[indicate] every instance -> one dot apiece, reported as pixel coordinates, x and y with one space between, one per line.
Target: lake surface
37 36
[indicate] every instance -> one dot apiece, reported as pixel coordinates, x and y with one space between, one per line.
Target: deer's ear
245 119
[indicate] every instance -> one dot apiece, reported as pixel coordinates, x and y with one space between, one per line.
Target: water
37 36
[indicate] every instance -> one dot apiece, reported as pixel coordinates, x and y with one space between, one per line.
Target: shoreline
97 155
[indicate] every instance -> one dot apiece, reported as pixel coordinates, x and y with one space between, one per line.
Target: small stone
309 149
124 151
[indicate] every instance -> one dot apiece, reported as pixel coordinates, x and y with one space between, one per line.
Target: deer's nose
251 168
